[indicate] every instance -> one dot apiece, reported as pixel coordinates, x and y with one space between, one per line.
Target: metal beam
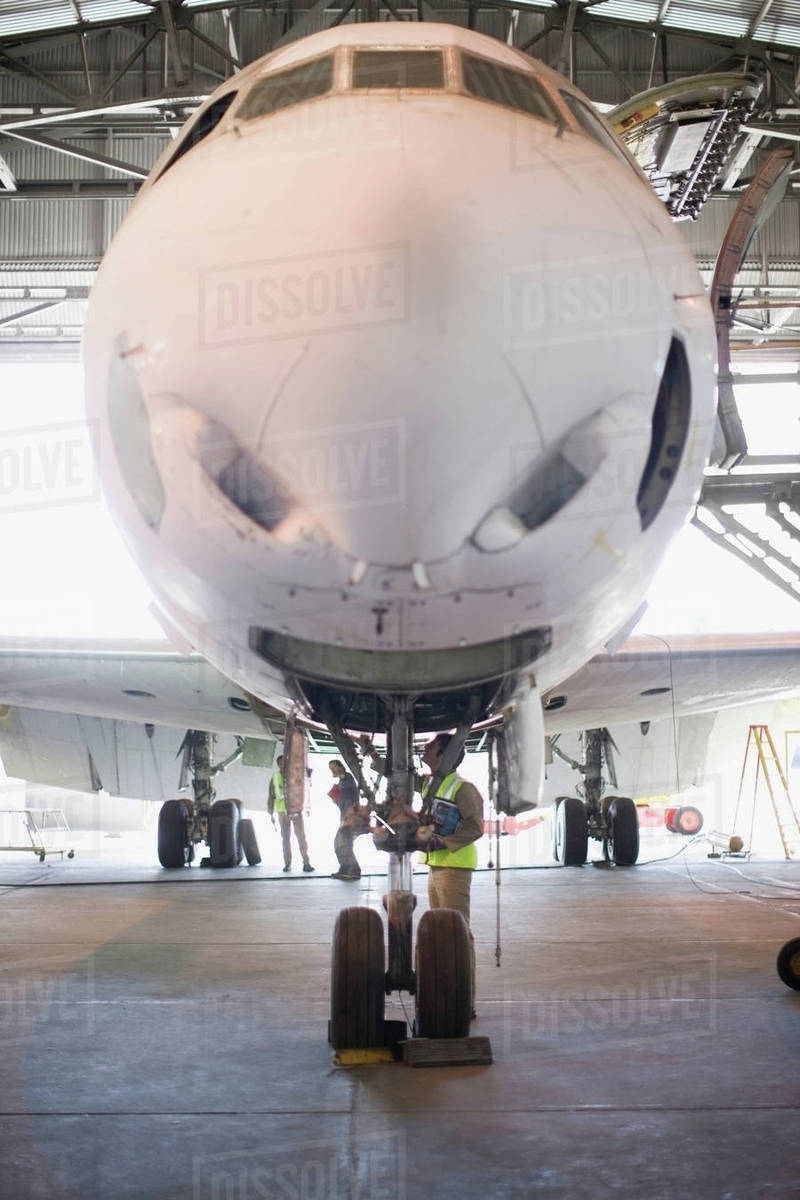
21 65
537 37
134 107
23 313
738 380
29 292
230 33
41 37
743 488
129 61
82 43
212 45
178 68
566 41
759 17
738 540
75 189
773 131
304 23
774 74
100 160
7 181
601 54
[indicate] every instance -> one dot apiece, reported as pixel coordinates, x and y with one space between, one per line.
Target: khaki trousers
286 821
449 887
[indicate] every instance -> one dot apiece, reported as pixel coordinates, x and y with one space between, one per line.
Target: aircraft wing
652 677
143 682
113 715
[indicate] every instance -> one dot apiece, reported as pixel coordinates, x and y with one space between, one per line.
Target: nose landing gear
440 978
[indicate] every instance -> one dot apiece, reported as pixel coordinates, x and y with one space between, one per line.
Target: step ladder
768 767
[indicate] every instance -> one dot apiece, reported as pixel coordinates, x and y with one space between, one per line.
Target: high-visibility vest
467 856
278 792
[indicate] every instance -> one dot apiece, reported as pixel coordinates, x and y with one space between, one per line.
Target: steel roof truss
101 160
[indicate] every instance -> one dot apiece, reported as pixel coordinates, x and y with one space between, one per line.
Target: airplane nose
450 361
392 334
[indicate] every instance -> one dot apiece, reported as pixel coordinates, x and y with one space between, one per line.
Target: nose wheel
357 980
444 984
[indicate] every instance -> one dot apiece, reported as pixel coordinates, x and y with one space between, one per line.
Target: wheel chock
448 1052
358 1057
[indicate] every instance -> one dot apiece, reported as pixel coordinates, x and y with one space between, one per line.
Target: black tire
572 833
556 805
623 821
789 964
223 834
173 834
444 975
357 980
688 820
249 842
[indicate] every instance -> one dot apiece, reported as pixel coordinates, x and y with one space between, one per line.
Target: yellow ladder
768 766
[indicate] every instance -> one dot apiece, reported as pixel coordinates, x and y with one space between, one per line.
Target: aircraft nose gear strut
438 974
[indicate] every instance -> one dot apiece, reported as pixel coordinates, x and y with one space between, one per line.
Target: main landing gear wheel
789 964
173 834
223 833
444 975
249 842
571 833
357 980
623 831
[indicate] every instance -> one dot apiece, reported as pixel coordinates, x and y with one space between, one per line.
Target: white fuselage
333 351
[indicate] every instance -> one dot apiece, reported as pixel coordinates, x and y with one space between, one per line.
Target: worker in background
353 821
453 822
290 816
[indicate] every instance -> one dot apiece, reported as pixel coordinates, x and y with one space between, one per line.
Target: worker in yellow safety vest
452 856
289 817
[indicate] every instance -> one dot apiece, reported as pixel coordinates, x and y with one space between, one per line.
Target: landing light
499 530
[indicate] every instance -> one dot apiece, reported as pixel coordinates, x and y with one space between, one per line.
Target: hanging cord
674 710
498 952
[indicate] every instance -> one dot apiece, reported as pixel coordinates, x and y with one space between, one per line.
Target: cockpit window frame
548 100
186 142
608 141
335 86
348 84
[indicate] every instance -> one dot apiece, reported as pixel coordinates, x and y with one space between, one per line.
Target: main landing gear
184 824
612 820
437 971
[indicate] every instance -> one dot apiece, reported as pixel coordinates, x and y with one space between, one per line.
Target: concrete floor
163 1041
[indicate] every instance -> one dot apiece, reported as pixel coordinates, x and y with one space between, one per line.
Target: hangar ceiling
91 91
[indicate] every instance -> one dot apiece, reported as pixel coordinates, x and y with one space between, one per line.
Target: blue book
446 817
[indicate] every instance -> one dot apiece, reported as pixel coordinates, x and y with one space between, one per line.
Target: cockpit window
592 124
503 85
207 121
398 69
274 92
